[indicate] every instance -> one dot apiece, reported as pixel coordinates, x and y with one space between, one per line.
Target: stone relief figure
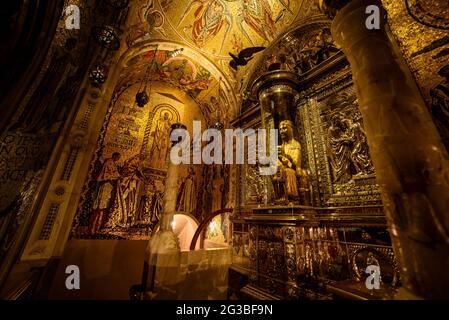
349 152
186 200
440 105
360 157
104 198
340 149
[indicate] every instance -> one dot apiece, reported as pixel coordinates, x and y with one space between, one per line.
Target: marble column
162 256
412 165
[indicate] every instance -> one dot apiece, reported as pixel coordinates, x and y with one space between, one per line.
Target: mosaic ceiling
208 30
218 27
212 29
426 49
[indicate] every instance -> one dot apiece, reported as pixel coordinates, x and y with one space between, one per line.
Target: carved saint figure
349 150
218 186
440 105
187 193
315 51
360 156
106 188
340 149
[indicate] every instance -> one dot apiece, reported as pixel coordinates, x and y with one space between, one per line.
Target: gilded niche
291 182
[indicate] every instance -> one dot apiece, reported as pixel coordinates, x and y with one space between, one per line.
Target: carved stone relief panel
335 143
352 170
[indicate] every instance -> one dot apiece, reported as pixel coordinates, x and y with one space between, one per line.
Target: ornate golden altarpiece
320 248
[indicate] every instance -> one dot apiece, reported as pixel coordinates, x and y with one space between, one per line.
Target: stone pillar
412 165
162 256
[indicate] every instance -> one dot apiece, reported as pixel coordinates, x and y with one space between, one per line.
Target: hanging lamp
142 97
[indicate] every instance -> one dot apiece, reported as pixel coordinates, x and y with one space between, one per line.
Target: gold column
412 165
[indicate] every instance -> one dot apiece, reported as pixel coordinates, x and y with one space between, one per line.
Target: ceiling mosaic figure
217 26
134 149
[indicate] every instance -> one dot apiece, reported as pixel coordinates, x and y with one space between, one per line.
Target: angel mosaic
211 16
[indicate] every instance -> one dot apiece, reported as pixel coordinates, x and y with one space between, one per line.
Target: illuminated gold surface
412 37
251 22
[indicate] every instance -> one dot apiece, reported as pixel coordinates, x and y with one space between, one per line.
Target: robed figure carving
360 156
186 200
349 150
340 149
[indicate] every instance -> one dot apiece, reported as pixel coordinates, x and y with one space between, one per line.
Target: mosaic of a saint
107 183
211 16
258 16
161 141
129 191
